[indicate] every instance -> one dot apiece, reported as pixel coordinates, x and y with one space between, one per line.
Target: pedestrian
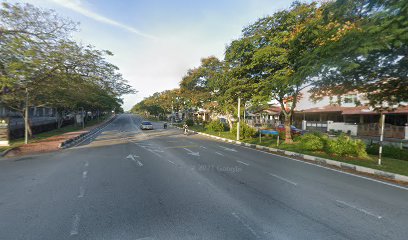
185 129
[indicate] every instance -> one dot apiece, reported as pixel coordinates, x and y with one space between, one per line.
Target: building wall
347 100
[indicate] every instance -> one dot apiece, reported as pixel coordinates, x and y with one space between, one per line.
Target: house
269 116
350 114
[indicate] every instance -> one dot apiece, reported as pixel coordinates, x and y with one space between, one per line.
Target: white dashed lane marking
359 209
84 174
81 192
243 163
219 153
75 224
283 179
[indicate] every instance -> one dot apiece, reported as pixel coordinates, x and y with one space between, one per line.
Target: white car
146 125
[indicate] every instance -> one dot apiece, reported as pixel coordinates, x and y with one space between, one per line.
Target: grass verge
41 136
388 164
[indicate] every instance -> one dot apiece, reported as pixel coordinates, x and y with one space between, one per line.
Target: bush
190 122
246 131
215 126
312 142
389 151
282 135
345 146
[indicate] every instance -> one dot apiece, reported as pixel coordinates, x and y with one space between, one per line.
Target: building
350 114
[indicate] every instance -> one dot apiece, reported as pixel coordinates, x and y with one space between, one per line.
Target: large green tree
198 87
363 46
41 61
265 62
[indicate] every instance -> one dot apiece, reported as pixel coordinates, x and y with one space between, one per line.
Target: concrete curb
318 160
4 153
78 139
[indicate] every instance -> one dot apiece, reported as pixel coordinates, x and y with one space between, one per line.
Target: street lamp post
239 118
26 119
172 112
382 122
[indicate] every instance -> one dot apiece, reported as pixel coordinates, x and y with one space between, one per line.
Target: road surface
131 184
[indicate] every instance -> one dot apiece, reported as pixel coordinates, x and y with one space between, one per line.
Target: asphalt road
132 184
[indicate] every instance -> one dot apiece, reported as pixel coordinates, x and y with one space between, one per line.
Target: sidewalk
46 145
50 144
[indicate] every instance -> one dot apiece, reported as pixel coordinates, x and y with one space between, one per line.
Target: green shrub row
246 131
340 146
389 151
215 126
190 122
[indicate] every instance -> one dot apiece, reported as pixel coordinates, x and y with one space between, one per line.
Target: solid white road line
283 179
75 224
243 163
331 169
359 209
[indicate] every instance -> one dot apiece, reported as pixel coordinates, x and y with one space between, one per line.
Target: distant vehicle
146 125
294 130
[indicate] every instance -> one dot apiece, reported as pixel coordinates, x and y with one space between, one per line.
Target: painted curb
319 160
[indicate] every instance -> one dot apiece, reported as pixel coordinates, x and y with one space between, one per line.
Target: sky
155 42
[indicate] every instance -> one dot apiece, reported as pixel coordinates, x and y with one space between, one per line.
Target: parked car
146 125
294 130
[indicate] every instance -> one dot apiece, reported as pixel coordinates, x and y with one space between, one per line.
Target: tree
265 62
362 47
197 88
40 60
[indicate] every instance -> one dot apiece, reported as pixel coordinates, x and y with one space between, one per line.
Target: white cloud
78 7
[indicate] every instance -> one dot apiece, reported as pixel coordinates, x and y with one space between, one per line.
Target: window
350 98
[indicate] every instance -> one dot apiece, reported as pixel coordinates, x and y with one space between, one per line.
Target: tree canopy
40 57
362 47
333 47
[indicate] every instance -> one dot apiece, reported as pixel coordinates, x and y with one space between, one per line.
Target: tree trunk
60 119
229 121
288 132
27 123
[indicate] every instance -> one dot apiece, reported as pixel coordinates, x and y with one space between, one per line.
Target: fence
38 125
316 126
262 122
373 130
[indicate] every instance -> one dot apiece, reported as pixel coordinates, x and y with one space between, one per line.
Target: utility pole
244 112
83 118
382 122
26 119
239 117
172 112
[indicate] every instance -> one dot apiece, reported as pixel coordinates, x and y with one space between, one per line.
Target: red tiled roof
367 110
352 110
328 108
271 110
